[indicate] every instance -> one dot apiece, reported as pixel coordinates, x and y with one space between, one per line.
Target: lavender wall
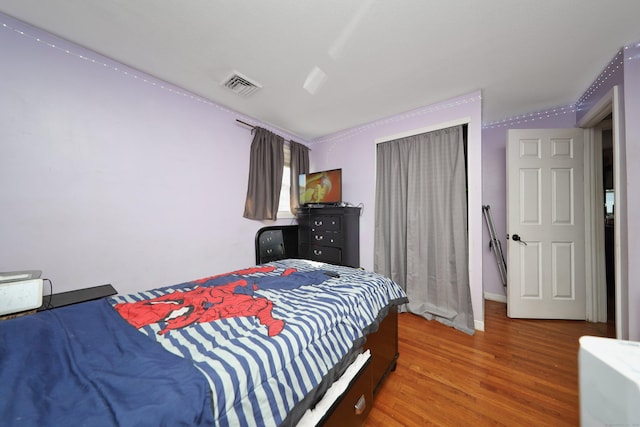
108 175
623 71
632 146
353 150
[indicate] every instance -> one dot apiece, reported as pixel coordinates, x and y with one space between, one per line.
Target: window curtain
265 175
421 224
299 164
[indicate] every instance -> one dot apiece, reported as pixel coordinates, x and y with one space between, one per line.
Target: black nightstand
73 297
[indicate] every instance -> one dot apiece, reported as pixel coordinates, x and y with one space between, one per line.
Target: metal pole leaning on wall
495 245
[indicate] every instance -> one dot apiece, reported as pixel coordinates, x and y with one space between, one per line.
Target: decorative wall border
615 66
632 52
531 117
70 48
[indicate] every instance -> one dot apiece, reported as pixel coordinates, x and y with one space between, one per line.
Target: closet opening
422 222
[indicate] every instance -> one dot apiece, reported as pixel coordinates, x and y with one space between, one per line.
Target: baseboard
479 324
495 297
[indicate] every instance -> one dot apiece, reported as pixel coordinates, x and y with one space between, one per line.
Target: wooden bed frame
383 345
351 409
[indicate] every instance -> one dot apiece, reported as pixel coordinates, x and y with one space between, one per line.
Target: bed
260 346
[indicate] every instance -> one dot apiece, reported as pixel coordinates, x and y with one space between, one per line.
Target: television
321 188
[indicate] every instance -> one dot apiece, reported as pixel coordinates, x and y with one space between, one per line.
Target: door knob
517 238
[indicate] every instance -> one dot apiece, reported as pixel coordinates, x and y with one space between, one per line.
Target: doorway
602 180
421 228
608 191
607 110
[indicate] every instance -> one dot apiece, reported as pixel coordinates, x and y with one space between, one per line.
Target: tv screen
321 187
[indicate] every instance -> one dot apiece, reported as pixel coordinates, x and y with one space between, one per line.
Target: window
609 201
284 207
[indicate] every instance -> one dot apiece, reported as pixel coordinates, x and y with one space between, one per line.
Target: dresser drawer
325 223
271 246
273 253
325 254
329 238
356 403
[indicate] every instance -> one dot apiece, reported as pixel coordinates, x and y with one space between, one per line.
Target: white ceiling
380 57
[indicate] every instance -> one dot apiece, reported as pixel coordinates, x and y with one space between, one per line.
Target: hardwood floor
516 373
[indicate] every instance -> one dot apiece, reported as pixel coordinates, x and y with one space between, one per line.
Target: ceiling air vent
242 85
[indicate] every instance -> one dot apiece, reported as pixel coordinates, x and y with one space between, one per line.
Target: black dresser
330 234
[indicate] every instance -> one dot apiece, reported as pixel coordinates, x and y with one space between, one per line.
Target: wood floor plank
516 373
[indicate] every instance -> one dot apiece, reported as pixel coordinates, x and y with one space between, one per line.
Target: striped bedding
265 337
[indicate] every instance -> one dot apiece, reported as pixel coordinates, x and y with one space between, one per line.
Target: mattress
253 347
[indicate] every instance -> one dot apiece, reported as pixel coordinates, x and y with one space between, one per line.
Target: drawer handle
360 405
318 237
317 223
317 252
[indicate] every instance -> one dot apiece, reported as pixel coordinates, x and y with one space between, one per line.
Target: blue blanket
253 347
83 365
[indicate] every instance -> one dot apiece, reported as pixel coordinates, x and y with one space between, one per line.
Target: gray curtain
421 224
299 164
265 175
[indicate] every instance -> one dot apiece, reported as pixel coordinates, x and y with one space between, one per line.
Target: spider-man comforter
256 346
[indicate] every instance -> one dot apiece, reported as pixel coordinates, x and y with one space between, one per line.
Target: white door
545 223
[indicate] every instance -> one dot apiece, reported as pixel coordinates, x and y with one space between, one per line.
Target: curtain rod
253 127
245 123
